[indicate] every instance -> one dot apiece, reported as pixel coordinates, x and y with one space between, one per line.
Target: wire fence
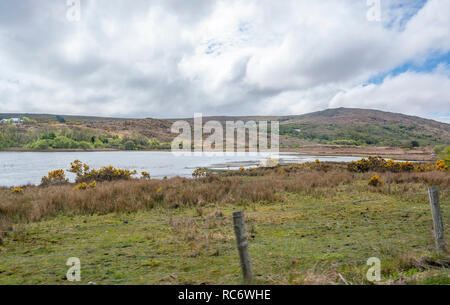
302 237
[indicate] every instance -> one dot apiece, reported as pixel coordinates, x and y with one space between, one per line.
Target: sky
174 58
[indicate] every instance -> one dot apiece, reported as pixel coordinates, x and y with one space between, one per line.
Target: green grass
301 240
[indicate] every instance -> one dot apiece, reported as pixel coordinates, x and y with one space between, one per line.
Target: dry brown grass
38 203
438 178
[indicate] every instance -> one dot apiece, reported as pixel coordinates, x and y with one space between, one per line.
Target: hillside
344 127
366 127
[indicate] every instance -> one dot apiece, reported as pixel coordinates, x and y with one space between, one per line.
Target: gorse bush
145 175
56 177
85 186
375 181
378 164
441 165
397 167
199 172
17 190
369 164
106 173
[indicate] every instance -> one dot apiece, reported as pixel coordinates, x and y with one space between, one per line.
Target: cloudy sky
171 58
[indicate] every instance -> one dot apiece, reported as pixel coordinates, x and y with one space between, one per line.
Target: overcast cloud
168 58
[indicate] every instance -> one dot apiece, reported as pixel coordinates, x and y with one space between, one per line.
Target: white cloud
170 58
410 92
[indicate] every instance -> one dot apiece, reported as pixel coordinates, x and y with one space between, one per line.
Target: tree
60 119
415 144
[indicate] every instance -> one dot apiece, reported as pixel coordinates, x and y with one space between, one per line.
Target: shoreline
418 154
57 150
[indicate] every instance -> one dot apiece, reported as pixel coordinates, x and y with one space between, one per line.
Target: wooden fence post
433 193
389 182
242 244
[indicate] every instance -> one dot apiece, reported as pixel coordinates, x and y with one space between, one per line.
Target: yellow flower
81 186
17 190
441 166
375 181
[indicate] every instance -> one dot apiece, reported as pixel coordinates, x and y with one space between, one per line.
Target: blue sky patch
425 67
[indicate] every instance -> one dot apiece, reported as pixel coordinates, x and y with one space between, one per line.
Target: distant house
14 121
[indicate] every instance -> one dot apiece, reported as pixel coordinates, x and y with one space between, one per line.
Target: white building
12 121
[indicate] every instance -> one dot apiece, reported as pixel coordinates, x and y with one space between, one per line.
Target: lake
22 168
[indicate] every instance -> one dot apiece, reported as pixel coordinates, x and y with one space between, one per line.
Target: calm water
21 168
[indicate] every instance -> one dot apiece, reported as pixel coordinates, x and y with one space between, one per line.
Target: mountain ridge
326 112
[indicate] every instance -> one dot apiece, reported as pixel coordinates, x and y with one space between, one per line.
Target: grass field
313 234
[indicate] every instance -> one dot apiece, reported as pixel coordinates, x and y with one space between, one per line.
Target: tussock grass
38 203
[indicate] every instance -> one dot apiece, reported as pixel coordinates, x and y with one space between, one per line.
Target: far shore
19 149
417 154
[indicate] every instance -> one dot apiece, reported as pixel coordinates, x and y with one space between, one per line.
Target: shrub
42 144
145 175
365 165
17 190
398 167
345 142
56 177
441 165
421 168
85 145
375 181
63 142
378 164
129 145
106 173
199 172
85 186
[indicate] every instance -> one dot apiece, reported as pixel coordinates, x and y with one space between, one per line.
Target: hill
342 126
366 127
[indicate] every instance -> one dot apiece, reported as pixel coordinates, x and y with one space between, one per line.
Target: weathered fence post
389 182
433 193
242 244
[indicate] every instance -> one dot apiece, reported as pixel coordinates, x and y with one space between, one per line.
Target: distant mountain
342 126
